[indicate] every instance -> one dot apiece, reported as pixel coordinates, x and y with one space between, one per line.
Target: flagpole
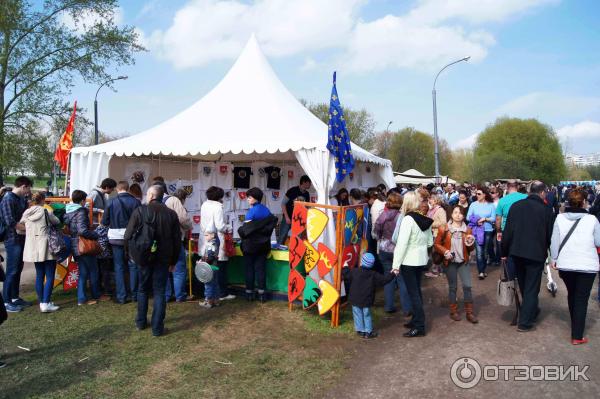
67 173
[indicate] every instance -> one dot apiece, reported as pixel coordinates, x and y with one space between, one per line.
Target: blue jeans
362 319
45 270
494 249
153 280
481 252
120 261
284 229
211 289
14 267
390 288
88 269
178 278
412 276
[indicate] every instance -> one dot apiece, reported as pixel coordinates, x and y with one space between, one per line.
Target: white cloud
431 33
309 64
473 11
549 105
209 30
581 130
397 42
89 19
466 143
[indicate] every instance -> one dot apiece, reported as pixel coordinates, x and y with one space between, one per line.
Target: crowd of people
413 232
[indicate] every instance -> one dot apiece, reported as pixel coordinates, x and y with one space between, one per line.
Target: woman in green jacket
411 256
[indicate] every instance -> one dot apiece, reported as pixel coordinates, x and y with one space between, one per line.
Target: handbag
229 246
85 246
505 291
56 241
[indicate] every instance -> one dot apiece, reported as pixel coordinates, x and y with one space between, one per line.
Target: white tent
248 116
412 176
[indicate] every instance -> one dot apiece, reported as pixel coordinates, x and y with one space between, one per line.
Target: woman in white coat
36 250
212 223
576 258
411 256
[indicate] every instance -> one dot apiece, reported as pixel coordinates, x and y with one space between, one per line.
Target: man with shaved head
165 249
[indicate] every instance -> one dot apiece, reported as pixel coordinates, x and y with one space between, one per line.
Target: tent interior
249 122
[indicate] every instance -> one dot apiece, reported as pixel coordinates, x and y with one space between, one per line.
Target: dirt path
393 366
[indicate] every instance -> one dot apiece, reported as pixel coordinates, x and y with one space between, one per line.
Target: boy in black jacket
362 293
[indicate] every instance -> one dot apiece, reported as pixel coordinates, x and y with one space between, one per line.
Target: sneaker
2 365
360 334
525 329
21 302
12 308
206 305
579 341
228 297
371 335
431 275
481 276
52 307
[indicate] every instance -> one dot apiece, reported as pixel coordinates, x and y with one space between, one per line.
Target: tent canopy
412 176
249 112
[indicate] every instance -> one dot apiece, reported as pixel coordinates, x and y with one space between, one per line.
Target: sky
529 59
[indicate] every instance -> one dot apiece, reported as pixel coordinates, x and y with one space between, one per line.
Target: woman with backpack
37 219
78 221
384 231
454 242
575 236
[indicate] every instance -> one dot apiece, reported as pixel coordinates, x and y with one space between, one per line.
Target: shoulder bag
505 291
564 241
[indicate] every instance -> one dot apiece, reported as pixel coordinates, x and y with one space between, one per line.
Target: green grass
38 183
95 352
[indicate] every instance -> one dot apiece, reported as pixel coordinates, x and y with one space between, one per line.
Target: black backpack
142 245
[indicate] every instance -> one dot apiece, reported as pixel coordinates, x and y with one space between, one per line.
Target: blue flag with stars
338 142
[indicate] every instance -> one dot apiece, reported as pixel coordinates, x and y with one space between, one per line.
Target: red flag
61 155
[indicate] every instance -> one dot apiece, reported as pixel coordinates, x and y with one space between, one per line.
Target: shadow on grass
54 367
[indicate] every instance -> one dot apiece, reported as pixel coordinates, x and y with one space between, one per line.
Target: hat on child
367 260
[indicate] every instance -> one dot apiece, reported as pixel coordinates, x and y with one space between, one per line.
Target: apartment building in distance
583 160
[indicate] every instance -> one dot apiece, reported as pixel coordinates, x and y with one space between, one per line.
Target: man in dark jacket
116 217
12 207
526 238
256 242
153 277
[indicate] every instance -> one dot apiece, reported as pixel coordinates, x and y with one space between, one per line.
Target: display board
316 261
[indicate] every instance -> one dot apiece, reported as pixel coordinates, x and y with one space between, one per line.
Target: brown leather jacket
443 243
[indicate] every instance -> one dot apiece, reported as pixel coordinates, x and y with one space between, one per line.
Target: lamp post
387 129
96 106
435 133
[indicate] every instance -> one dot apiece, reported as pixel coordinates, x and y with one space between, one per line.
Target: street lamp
387 129
96 106
435 133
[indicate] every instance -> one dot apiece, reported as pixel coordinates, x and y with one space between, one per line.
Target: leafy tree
412 149
360 124
594 171
577 174
40 56
462 167
519 148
